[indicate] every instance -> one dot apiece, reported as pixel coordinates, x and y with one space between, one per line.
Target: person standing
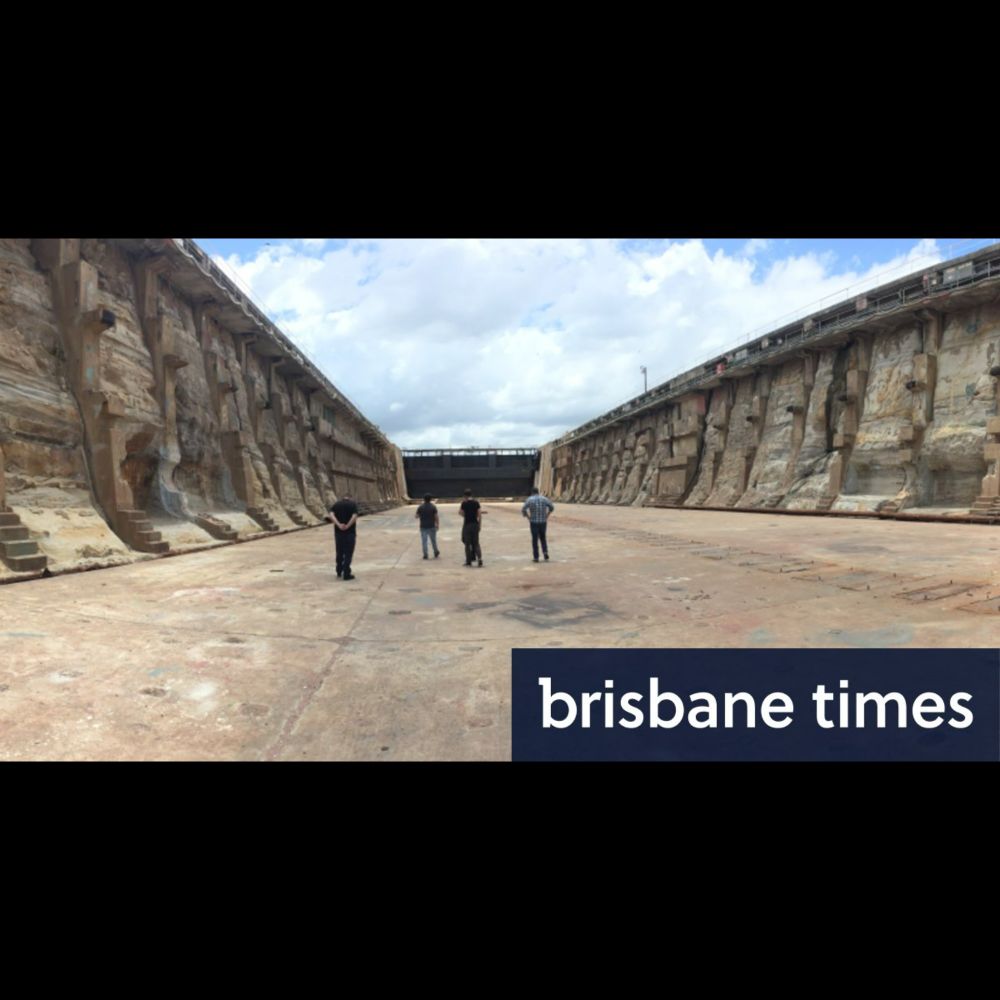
429 524
537 509
344 515
473 514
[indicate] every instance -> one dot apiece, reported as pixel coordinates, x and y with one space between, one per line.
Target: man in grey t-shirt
537 509
428 515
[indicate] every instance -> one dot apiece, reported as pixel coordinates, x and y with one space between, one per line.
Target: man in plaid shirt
537 508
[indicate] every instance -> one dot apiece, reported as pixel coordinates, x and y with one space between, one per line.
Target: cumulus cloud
507 343
755 246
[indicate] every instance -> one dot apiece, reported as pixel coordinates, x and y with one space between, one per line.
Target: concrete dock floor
258 652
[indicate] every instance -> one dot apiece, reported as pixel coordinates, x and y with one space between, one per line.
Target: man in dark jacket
344 515
473 514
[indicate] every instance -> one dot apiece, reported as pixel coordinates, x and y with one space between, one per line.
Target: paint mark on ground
229 654
862 547
202 691
550 612
156 671
63 677
990 606
890 635
941 591
204 592
849 581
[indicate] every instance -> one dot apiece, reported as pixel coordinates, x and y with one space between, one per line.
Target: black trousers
345 549
538 535
470 535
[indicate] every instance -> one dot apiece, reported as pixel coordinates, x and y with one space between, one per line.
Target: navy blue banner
760 704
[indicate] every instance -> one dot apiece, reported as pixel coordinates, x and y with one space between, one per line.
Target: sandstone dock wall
147 406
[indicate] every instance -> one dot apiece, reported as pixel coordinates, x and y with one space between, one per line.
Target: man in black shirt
429 525
344 515
473 515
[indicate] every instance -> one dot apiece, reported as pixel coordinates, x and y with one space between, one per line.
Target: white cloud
754 246
512 342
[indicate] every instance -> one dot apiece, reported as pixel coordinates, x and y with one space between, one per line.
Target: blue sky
509 343
858 254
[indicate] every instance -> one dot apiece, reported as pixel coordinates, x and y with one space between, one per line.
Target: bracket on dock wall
681 437
798 406
160 335
921 386
856 379
988 502
757 418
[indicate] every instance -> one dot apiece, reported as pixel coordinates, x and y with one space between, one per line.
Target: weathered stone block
795 397
175 361
924 370
688 424
113 407
836 472
80 287
52 253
